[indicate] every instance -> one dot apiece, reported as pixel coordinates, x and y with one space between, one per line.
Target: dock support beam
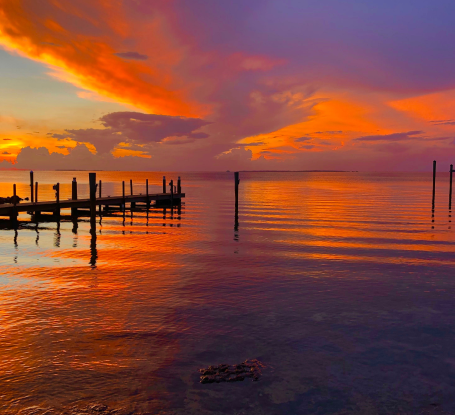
57 198
450 188
99 195
171 183
434 182
74 196
92 185
147 192
123 195
237 181
31 186
133 204
13 211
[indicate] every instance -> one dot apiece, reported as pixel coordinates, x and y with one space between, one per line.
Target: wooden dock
102 203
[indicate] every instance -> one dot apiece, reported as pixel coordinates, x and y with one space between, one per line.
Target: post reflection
93 249
57 236
37 234
236 222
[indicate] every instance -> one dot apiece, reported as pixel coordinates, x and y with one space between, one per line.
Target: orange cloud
80 49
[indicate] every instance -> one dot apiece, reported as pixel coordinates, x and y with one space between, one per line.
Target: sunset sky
216 85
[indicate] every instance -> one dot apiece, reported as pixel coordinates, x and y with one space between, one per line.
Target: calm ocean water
342 284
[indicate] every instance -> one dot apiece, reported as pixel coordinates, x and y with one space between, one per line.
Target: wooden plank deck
52 206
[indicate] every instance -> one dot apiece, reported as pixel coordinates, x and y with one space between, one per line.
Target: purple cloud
443 122
131 55
138 128
391 137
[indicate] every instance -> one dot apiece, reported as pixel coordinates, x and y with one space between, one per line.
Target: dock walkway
55 206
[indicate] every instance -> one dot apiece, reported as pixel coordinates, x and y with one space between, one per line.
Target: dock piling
74 196
123 196
92 185
57 199
31 186
99 195
237 181
13 211
132 204
36 192
179 187
57 193
434 181
450 188
171 185
164 184
147 192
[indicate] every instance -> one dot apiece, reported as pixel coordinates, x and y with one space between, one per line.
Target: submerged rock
232 373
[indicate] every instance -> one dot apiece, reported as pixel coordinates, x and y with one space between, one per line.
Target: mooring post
164 184
133 204
74 189
123 196
179 187
57 193
99 194
57 199
450 188
434 181
36 192
92 186
147 192
74 196
13 214
237 181
31 186
171 185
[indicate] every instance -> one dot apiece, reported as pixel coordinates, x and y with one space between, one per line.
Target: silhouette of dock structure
80 207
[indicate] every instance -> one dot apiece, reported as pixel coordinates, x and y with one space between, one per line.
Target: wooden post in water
434 181
36 192
179 187
13 214
57 199
237 181
92 186
133 204
123 196
171 184
147 192
450 188
57 193
74 189
164 184
99 194
31 186
74 196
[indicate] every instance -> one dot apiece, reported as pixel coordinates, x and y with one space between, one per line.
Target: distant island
298 171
